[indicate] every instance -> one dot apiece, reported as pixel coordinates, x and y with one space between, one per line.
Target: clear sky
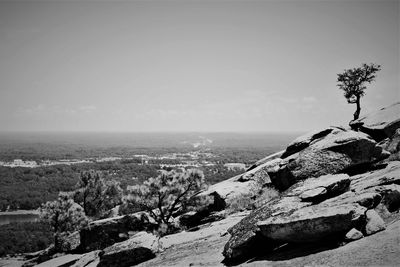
191 65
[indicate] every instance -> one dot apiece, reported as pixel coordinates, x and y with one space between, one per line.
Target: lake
18 216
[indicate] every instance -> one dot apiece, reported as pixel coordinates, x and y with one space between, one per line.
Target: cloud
309 99
88 108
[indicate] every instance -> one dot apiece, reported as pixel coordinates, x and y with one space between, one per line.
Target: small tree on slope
353 83
96 195
64 216
164 195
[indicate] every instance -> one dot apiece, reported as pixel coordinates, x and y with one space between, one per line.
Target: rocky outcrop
312 223
321 208
65 260
304 141
353 235
387 175
260 173
382 123
266 159
226 191
103 233
88 259
338 151
137 249
321 188
374 223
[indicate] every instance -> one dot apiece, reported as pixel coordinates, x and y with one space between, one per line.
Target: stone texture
353 235
244 240
88 258
226 191
102 233
321 188
338 151
65 260
312 223
388 175
382 123
304 141
374 223
137 249
266 159
260 173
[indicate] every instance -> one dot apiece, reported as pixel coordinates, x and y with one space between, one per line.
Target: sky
226 66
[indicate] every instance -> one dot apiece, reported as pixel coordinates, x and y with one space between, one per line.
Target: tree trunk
358 110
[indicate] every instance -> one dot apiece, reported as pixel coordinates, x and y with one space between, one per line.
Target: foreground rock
137 249
226 191
312 223
338 151
315 209
382 123
321 188
103 233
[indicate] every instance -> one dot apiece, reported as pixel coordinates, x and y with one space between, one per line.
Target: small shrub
167 195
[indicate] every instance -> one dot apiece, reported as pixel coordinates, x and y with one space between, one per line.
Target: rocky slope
339 205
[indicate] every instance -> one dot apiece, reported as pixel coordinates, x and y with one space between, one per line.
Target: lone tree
353 83
169 192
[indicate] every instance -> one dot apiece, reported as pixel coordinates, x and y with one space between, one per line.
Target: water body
12 217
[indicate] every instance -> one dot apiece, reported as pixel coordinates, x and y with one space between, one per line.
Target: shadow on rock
291 251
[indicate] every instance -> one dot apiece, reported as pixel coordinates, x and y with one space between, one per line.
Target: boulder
339 151
388 175
226 191
304 141
374 223
353 235
195 218
103 233
245 241
313 223
382 123
321 188
367 199
266 159
135 250
245 236
260 173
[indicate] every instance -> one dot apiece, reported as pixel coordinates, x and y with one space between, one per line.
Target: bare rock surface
266 159
321 188
304 141
382 123
338 151
387 175
226 191
87 259
374 223
65 260
353 234
295 217
102 233
137 249
312 223
202 247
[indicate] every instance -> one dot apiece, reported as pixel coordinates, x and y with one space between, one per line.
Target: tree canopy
353 83
163 195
